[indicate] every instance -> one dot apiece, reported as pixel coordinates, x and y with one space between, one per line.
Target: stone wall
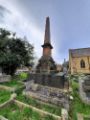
5 78
48 80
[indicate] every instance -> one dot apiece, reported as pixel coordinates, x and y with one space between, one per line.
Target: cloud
3 9
14 21
3 12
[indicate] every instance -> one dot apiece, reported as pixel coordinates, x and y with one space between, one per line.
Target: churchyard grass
13 112
31 101
77 105
4 96
12 83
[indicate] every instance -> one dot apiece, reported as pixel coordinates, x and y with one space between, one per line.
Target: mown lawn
4 96
77 106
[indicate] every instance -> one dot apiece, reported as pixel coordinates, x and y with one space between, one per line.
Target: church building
79 60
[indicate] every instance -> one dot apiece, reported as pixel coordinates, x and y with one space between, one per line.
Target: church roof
80 52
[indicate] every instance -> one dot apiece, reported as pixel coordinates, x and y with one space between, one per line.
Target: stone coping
11 89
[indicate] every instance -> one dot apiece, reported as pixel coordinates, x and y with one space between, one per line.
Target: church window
82 64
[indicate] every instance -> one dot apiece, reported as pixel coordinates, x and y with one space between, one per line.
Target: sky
69 23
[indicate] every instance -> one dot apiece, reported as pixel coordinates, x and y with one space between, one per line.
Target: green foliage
14 52
75 85
23 76
4 96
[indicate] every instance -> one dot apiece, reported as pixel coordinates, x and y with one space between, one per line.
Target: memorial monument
46 62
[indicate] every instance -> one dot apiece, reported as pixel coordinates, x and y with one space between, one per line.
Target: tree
14 52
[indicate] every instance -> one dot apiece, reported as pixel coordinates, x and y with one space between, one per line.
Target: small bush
23 76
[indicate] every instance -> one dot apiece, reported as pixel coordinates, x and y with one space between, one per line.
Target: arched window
82 64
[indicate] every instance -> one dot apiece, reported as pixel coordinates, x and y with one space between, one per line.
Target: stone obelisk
46 62
47 43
